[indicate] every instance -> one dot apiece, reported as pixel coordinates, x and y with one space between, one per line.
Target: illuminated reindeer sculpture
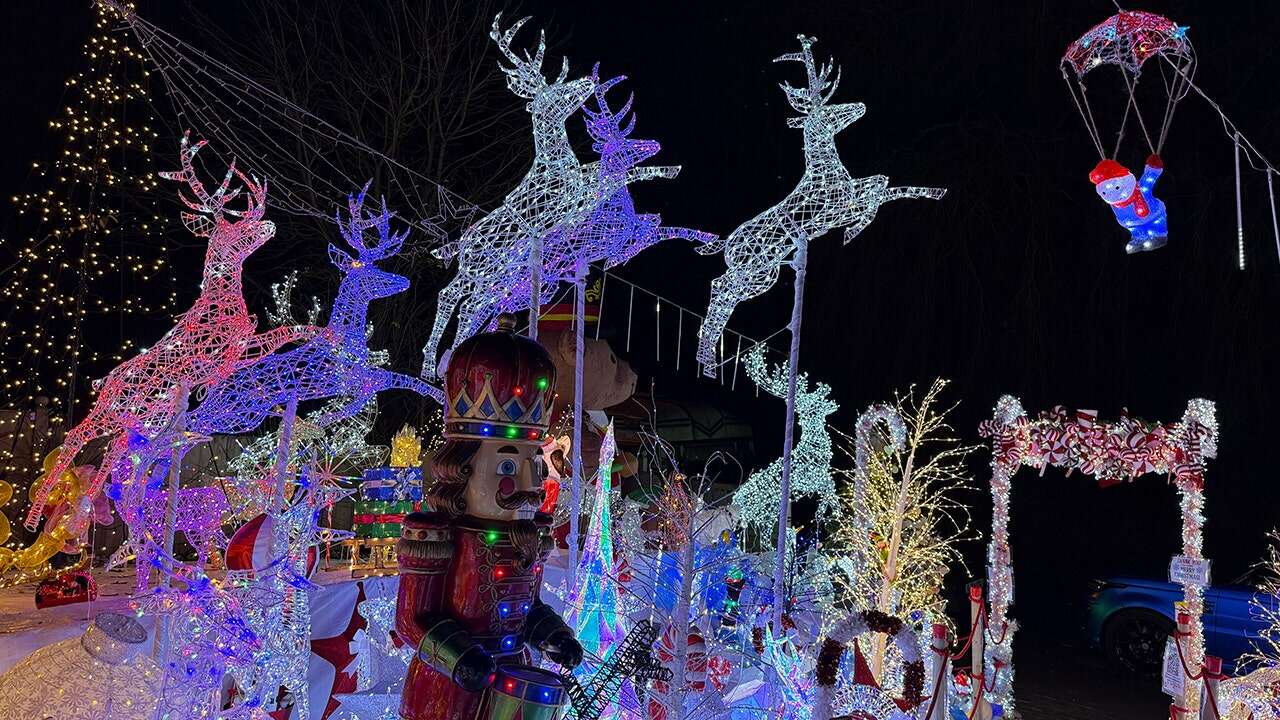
827 197
210 340
607 229
335 362
493 254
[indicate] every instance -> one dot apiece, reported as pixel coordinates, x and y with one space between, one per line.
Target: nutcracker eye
507 467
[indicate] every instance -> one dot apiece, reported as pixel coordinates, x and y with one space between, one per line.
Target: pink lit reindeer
210 340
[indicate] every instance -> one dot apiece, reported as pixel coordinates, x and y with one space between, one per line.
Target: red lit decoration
66 589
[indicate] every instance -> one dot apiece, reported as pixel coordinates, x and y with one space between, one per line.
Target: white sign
1172 681
1189 571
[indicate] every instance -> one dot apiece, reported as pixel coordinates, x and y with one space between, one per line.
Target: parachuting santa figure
471 567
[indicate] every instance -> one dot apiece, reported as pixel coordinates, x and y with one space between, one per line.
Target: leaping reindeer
212 338
609 229
493 253
335 362
827 197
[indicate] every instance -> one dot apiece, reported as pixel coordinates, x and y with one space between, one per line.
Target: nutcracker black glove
473 670
564 649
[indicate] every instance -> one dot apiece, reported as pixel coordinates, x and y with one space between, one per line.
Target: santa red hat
249 549
1107 169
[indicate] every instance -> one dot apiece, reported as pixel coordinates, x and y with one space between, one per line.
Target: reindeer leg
357 403
396 381
639 174
141 569
718 312
475 312
71 446
447 303
908 192
268 342
736 285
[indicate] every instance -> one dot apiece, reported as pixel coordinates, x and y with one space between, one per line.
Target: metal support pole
788 438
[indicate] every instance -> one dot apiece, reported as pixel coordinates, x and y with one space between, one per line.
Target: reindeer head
369 281
618 152
233 234
811 101
553 101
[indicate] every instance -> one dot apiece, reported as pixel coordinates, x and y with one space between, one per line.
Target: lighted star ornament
827 197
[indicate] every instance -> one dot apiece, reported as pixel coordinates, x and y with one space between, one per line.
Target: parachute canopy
1126 41
1129 39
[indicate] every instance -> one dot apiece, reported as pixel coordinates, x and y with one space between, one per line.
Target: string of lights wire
219 99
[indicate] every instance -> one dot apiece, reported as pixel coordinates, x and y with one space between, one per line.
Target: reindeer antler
820 88
605 123
211 208
525 78
353 229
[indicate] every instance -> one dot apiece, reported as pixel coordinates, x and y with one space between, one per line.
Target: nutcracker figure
471 565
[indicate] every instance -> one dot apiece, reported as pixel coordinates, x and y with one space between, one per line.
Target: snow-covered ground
24 629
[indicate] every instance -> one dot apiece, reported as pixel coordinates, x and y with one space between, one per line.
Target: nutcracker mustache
520 498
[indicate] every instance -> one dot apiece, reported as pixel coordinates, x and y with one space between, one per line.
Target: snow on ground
24 629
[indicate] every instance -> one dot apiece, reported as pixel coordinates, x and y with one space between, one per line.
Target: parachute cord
1177 90
1275 227
1086 113
1133 103
1239 209
1256 159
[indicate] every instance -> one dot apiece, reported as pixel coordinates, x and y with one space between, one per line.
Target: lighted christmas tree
88 256
596 618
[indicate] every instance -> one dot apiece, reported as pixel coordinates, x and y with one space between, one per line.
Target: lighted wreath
869 700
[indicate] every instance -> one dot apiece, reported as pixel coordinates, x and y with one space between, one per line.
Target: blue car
1130 618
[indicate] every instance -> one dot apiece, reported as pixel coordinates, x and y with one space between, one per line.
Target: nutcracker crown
499 385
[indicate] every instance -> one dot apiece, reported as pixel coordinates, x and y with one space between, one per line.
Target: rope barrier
937 685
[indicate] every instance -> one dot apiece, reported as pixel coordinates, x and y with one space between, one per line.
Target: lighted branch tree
827 197
87 236
903 506
1252 692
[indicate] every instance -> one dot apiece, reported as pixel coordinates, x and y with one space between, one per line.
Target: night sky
1015 283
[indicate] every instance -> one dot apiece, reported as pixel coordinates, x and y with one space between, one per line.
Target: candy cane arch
1112 452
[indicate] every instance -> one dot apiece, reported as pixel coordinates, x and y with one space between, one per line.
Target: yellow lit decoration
92 234
6 494
69 515
406 448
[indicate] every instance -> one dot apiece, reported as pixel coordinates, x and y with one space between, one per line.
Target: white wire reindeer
493 254
826 197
